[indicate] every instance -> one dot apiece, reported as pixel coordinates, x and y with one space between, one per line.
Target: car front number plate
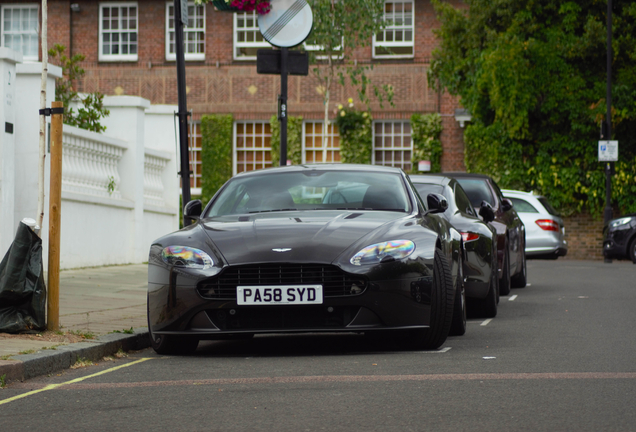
279 295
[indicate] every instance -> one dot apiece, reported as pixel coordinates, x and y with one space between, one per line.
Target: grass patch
31 351
85 335
126 331
6 357
3 381
82 362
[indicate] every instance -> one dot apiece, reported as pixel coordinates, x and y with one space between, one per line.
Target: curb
27 366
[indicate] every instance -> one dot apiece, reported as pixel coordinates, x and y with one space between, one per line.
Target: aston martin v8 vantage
308 248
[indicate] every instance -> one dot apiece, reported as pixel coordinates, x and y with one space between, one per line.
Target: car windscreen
311 190
544 201
523 206
477 191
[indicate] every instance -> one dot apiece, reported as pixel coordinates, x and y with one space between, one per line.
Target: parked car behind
545 231
619 238
511 233
480 268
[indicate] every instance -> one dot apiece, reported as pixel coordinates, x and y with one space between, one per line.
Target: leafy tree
533 75
91 105
340 28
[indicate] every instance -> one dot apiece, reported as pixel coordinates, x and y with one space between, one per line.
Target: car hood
292 236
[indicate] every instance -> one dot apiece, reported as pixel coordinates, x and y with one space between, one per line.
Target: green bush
216 153
425 132
294 140
356 138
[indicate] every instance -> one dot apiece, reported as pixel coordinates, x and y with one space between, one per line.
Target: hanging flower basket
262 7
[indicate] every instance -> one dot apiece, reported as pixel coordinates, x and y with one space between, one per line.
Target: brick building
129 49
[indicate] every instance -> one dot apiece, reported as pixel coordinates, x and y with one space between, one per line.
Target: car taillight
548 224
469 237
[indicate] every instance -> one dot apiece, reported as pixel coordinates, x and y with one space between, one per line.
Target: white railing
155 163
90 163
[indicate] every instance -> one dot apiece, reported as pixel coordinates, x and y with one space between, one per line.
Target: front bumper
176 306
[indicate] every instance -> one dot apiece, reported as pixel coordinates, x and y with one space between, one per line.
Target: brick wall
584 235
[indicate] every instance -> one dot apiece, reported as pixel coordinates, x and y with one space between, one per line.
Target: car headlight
385 251
621 221
184 256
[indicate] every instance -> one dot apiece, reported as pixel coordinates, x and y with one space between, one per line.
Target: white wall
99 227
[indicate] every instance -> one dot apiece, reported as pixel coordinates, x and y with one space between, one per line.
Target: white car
545 232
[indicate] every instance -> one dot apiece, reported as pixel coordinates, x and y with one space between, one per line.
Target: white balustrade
155 163
90 163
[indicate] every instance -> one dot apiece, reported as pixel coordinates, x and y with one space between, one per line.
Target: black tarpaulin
22 289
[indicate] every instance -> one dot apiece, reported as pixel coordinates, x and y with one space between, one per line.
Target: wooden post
55 212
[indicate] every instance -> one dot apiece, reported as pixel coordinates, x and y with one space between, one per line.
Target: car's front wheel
171 344
442 299
458 326
487 307
632 250
520 279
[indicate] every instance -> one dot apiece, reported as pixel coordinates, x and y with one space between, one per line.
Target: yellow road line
54 386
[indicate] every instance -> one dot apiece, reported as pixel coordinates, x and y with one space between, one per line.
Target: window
252 149
193 34
247 36
195 158
392 145
20 24
118 32
396 40
313 150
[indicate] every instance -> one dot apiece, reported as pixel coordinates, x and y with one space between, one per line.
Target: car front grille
334 281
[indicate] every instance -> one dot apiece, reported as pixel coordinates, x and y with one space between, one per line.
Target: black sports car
619 238
511 233
479 240
318 248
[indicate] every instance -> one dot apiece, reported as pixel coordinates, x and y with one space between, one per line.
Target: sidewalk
93 301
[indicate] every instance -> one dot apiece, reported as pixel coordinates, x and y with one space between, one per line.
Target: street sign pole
179 19
283 106
607 214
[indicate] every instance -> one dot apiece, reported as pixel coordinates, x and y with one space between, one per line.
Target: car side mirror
506 204
193 209
436 203
486 212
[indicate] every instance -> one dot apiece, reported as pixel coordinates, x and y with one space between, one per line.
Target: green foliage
355 134
216 153
533 76
91 105
427 146
354 22
294 140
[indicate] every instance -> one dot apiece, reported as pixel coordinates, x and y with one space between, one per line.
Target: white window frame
391 28
318 138
237 44
117 57
195 163
186 30
393 136
235 149
22 33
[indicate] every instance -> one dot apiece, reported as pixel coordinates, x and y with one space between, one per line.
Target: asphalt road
560 356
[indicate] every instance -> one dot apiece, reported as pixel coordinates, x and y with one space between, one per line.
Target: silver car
545 232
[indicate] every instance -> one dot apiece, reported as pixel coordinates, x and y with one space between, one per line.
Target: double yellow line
76 380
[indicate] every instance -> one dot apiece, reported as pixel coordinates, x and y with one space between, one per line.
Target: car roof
520 193
467 175
318 167
430 178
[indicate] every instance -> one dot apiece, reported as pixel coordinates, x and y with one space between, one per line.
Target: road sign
184 12
608 151
287 24
268 62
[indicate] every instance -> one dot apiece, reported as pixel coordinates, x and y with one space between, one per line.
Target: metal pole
55 219
607 214
283 106
183 108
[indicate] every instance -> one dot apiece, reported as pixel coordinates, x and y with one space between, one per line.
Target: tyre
520 279
487 307
504 282
458 325
171 344
442 301
631 250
